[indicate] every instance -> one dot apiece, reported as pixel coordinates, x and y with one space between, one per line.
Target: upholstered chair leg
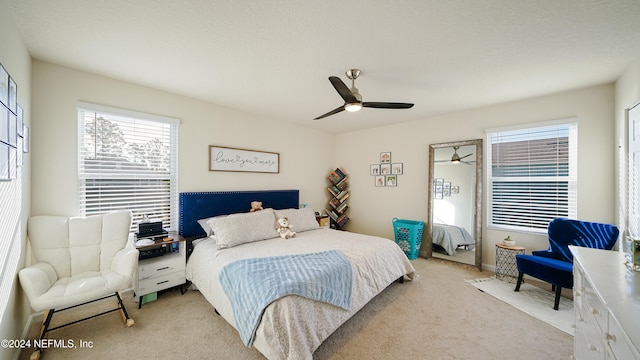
123 311
520 276
556 303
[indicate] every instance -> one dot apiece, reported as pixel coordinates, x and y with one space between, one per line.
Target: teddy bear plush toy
284 228
256 206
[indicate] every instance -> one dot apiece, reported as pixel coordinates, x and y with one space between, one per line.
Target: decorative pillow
237 229
300 219
204 223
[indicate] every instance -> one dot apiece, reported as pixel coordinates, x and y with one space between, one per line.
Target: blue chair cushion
564 232
553 271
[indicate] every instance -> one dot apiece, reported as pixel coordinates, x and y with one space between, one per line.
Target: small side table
506 268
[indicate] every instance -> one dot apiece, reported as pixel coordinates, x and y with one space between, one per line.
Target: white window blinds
127 160
532 176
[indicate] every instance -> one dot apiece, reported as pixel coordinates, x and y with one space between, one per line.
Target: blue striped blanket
252 284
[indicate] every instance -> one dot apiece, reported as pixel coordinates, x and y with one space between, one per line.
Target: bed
293 326
450 237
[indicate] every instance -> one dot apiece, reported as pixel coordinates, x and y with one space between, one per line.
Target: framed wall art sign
243 160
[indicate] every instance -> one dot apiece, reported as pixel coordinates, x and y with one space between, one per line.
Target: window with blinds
128 160
532 176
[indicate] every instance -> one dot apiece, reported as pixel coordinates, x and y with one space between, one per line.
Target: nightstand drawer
162 265
161 282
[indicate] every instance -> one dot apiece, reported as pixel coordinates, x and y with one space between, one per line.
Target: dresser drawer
619 343
158 283
594 307
160 266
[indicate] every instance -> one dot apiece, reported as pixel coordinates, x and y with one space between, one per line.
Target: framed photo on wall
385 157
396 169
13 130
374 169
446 189
4 124
13 96
380 180
4 162
385 169
4 86
392 180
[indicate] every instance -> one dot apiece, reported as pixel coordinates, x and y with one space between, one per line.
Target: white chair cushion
85 237
49 239
80 288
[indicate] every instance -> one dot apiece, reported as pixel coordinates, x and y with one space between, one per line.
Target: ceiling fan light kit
455 158
353 107
352 98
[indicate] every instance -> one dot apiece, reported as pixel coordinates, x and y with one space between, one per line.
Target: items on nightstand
323 220
150 229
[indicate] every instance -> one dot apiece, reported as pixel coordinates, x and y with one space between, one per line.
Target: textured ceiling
273 58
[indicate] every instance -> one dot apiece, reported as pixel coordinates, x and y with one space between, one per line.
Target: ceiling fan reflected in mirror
352 98
456 159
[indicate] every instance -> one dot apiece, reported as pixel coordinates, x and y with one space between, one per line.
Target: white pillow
300 219
204 223
237 229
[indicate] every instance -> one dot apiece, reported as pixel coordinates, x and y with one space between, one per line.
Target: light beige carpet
437 316
532 300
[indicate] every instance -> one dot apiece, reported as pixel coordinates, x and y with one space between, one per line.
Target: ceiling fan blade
387 105
342 89
462 157
334 111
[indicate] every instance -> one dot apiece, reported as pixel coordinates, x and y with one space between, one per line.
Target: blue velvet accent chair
555 265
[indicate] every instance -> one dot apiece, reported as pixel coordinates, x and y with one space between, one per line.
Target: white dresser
607 305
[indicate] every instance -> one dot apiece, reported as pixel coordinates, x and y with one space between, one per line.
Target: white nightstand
161 272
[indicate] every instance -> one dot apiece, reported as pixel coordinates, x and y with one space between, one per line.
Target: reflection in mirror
454 220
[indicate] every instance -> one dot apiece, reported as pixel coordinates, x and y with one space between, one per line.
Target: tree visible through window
127 161
532 176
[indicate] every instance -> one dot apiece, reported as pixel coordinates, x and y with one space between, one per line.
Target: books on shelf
336 176
339 192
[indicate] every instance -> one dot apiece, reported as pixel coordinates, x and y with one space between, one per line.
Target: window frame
571 179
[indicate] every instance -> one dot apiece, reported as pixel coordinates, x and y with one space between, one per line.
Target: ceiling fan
456 159
352 98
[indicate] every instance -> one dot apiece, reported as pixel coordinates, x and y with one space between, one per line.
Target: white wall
306 155
372 208
627 90
14 195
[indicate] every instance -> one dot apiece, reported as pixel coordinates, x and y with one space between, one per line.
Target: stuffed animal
284 228
256 206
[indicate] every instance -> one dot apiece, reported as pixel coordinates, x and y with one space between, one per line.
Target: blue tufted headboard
200 205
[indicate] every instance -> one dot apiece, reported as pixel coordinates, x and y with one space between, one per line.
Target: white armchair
78 261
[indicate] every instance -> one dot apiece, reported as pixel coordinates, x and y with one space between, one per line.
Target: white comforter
293 327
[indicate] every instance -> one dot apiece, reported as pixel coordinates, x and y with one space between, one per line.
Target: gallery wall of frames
14 134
